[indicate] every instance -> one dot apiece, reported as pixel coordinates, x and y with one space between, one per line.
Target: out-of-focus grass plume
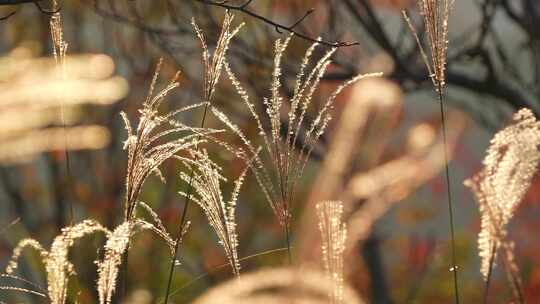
41 103
280 285
363 172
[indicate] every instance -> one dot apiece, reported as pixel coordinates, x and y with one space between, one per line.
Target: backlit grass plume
117 243
41 110
288 152
57 265
157 138
147 145
57 36
213 63
333 236
59 269
509 166
435 14
212 69
278 285
206 180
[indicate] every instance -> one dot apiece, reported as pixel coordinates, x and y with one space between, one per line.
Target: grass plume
220 213
511 161
145 145
333 235
57 265
212 68
435 14
278 285
287 153
115 247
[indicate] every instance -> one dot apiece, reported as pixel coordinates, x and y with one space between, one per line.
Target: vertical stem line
182 220
454 268
517 288
288 240
490 273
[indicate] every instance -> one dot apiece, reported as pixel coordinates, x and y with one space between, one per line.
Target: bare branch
243 9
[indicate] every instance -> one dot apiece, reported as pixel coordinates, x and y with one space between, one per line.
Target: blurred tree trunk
371 253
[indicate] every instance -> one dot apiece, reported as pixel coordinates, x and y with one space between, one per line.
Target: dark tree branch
35 2
15 2
309 12
490 85
243 9
136 23
45 11
8 15
380 293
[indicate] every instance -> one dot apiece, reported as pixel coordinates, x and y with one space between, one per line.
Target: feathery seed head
509 166
146 146
57 265
333 236
288 153
205 180
435 14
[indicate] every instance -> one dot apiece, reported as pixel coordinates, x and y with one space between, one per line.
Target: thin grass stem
182 220
489 274
288 241
218 267
454 268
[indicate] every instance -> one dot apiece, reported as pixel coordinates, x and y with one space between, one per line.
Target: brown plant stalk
435 14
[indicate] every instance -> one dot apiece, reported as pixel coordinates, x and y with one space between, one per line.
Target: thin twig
8 15
11 224
244 9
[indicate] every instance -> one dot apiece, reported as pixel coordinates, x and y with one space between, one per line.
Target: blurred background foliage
493 70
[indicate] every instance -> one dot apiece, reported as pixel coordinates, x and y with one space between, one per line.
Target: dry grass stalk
206 180
12 265
146 153
31 110
57 265
57 35
278 179
509 166
148 146
281 285
213 63
23 290
116 245
333 235
145 145
435 14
